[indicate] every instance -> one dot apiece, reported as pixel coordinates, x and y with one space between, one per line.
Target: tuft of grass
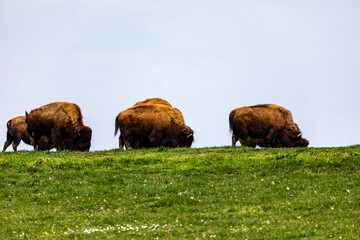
224 193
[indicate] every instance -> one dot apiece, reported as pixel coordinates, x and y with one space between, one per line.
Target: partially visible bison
17 131
265 125
152 123
62 122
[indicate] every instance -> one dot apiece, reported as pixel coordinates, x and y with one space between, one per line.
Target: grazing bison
152 125
17 131
62 122
265 125
149 101
290 137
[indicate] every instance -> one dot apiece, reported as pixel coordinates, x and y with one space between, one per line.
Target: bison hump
151 101
285 112
73 112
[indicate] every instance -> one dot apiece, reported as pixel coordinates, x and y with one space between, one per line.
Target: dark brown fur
152 126
266 125
17 131
62 123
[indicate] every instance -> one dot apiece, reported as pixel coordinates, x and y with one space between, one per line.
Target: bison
17 131
62 122
152 125
265 125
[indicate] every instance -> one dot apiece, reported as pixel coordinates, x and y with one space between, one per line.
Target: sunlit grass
224 193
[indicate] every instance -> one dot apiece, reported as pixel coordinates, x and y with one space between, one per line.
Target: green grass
221 193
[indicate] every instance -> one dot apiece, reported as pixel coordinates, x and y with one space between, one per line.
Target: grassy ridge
228 192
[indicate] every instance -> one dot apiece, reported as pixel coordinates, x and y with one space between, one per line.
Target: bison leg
16 143
242 142
245 140
260 142
154 138
126 140
121 142
57 139
44 144
250 142
6 144
8 141
153 142
26 138
127 144
169 142
271 138
234 139
36 138
137 144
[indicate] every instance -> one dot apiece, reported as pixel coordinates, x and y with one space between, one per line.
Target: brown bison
17 131
62 122
152 125
265 125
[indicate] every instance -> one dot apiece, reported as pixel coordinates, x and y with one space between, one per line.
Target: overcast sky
206 57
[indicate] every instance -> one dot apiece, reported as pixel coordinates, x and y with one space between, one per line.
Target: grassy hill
221 193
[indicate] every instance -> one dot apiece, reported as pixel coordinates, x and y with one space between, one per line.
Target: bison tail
27 115
231 120
116 127
8 124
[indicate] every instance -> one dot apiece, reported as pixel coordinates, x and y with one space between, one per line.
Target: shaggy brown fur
152 126
174 113
62 122
151 101
265 125
17 131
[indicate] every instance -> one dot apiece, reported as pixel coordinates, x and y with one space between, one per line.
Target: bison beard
62 123
152 125
265 125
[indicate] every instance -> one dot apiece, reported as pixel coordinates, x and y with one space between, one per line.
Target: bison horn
78 132
299 135
189 135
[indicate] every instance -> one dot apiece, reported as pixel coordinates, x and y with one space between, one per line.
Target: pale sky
206 57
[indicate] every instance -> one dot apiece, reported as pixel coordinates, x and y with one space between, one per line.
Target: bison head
82 142
291 137
187 136
294 131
